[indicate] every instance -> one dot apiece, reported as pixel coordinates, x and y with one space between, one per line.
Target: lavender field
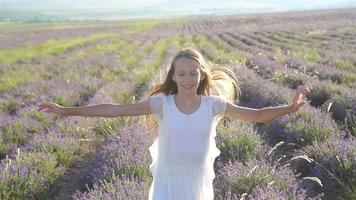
310 154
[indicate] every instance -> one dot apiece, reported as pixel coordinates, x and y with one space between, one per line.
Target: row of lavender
122 164
292 55
331 88
252 164
275 184
96 61
302 130
64 86
323 35
271 45
336 98
96 168
46 153
124 91
328 87
315 139
233 147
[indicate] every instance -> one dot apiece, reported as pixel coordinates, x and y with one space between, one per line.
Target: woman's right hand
51 108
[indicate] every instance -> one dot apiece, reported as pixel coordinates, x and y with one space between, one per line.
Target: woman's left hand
299 98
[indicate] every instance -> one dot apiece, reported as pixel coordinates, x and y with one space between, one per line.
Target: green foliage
215 56
61 101
351 121
286 79
336 164
115 46
32 174
12 79
309 54
160 49
13 132
224 53
47 167
10 107
309 133
39 116
235 56
343 79
346 65
130 57
180 42
4 150
111 45
139 172
142 25
101 71
305 128
144 77
13 189
63 153
320 93
246 183
88 92
110 126
236 141
70 129
71 75
51 47
240 149
125 97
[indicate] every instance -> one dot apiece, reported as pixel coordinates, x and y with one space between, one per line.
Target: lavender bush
28 175
334 163
238 141
238 180
269 192
124 154
301 128
343 108
117 189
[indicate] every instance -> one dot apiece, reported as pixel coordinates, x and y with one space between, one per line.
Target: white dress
183 154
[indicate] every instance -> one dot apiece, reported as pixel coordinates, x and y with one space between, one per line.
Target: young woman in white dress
186 108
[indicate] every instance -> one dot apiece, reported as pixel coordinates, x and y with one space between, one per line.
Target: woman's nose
188 78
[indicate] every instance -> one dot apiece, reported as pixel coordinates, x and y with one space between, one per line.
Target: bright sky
176 7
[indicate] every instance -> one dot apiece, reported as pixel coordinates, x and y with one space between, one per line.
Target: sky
164 8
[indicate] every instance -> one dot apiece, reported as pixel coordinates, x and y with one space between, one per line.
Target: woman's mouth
188 86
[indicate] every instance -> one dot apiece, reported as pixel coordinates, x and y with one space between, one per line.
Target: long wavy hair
219 80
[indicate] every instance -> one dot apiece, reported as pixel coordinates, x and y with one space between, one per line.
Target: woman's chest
189 130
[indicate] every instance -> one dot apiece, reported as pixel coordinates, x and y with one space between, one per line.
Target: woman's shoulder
159 96
214 98
157 101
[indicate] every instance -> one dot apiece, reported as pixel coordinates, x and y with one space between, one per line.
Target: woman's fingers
303 89
43 108
46 107
299 97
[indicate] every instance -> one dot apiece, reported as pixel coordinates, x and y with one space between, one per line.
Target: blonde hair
219 80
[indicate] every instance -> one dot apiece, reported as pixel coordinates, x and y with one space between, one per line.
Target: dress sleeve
156 104
219 106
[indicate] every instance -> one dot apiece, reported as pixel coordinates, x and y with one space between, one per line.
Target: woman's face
187 75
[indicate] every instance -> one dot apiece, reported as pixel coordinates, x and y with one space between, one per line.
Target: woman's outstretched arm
99 110
269 113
